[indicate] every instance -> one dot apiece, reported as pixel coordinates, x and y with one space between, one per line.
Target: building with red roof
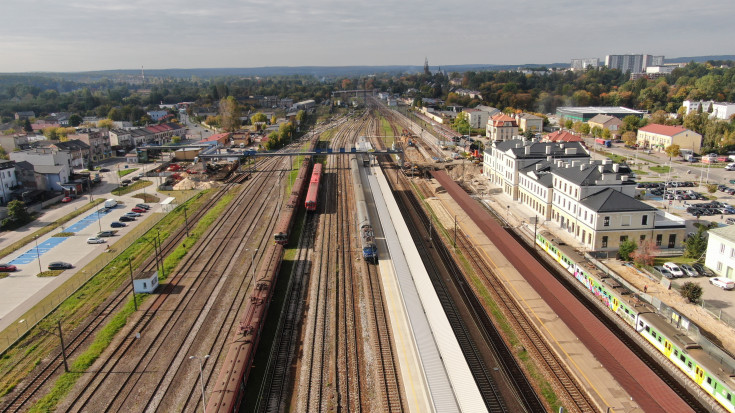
223 139
562 136
655 136
501 127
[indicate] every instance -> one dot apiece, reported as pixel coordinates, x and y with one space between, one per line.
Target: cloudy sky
79 35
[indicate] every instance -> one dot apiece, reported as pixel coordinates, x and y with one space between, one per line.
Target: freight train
285 222
364 227
229 387
713 375
313 193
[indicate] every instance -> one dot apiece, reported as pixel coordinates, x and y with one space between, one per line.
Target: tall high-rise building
583 64
633 63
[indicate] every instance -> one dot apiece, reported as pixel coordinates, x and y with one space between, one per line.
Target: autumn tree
229 111
645 254
213 121
606 134
106 124
672 150
596 131
259 120
629 138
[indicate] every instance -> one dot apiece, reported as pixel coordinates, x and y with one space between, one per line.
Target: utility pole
455 231
132 284
186 220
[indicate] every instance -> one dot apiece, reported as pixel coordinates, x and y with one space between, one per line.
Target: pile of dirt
188 184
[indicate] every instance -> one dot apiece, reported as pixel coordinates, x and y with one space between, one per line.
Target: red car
66 199
7 268
139 210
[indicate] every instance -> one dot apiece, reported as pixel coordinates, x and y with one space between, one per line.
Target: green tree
461 123
696 244
659 117
300 117
75 120
17 215
596 131
691 291
257 119
626 249
285 132
606 134
568 123
175 139
27 125
584 129
51 133
672 150
229 111
711 188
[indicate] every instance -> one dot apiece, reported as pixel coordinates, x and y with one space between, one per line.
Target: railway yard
332 282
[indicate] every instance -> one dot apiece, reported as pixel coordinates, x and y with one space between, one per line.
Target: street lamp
132 284
186 220
38 254
201 379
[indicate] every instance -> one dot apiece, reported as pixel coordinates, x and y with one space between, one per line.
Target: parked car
106 234
139 210
95 240
702 270
127 181
724 283
144 206
60 265
135 178
126 218
66 199
104 170
117 224
132 214
730 221
663 271
7 268
689 270
674 269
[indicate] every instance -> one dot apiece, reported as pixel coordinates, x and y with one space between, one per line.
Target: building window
672 240
625 220
722 249
606 222
604 241
644 220
659 239
643 238
623 238
719 266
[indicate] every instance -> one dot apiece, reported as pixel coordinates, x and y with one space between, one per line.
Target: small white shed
146 282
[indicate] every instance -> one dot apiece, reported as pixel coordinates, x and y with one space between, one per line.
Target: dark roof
538 149
591 172
610 200
25 165
542 171
70 145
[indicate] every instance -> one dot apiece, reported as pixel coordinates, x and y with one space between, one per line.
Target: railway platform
599 383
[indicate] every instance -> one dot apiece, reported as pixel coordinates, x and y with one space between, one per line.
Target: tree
461 123
659 117
645 254
175 139
229 111
672 150
300 117
259 120
568 123
212 121
27 125
630 138
106 124
17 215
696 244
596 131
606 134
585 129
75 120
51 133
627 248
711 188
691 291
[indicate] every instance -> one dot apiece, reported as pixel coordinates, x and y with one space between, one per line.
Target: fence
43 308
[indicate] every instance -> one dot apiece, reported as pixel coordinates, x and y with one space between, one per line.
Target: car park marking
88 220
31 255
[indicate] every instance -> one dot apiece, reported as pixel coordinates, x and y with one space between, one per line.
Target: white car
724 283
674 269
95 240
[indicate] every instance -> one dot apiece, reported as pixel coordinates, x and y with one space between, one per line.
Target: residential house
721 251
28 178
98 141
121 138
13 142
501 127
529 123
503 160
24 115
8 181
79 152
157 115
477 118
562 136
610 123
718 110
53 164
657 136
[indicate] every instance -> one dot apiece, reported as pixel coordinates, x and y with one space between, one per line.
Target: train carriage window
689 364
653 334
709 380
683 359
648 329
676 352
659 339
729 397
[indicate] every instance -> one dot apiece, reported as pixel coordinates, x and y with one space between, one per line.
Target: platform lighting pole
160 250
132 284
99 222
201 379
38 254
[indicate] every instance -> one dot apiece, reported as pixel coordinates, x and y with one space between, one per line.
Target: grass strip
122 190
124 172
48 228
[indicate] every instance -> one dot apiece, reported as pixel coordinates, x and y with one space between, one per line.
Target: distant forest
123 96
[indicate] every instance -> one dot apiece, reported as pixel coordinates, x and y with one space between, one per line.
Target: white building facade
720 256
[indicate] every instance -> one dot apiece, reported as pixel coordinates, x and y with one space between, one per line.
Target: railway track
82 335
168 314
531 338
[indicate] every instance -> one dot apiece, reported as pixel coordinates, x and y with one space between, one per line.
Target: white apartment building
501 127
721 251
8 181
719 110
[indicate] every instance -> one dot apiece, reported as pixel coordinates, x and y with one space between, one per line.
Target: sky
82 35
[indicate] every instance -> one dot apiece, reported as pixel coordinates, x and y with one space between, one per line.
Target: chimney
538 166
581 167
570 151
548 149
601 168
606 161
528 150
616 167
624 178
561 146
549 158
